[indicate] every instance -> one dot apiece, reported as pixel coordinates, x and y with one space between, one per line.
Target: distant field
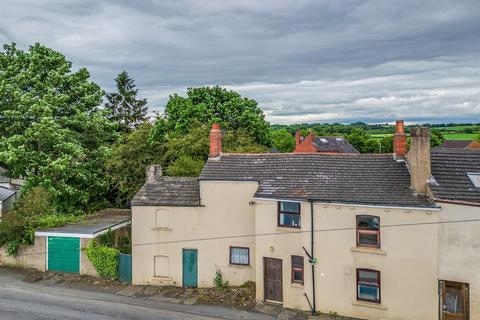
448 136
460 136
455 128
380 135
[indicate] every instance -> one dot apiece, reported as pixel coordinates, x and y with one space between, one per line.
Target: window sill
239 266
162 229
369 305
292 229
369 250
296 285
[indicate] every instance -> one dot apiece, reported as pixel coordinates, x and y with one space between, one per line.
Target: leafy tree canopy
123 105
186 154
127 162
214 104
283 140
52 132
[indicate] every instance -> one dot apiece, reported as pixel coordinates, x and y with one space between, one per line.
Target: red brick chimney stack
400 140
297 137
215 141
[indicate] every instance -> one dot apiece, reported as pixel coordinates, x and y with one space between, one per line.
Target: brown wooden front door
454 300
273 279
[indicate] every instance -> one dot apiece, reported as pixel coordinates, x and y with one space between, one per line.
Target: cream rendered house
354 234
456 187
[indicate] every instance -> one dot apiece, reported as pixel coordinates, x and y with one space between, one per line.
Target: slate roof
169 191
372 179
449 168
5 193
456 144
333 144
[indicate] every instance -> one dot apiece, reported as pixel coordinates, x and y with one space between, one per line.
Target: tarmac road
21 300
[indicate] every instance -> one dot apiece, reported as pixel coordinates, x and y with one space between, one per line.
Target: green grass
461 136
455 128
380 135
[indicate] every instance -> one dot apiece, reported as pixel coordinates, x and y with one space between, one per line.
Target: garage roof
92 226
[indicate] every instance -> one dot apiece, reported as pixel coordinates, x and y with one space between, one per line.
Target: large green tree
206 105
185 154
52 132
127 163
124 106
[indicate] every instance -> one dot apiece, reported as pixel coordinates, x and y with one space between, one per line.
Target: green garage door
64 254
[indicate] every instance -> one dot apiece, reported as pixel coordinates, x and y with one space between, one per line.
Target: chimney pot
153 172
399 126
399 140
215 141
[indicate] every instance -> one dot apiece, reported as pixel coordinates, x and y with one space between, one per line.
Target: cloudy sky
303 61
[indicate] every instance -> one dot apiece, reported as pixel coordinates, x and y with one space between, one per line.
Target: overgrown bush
103 259
121 242
33 210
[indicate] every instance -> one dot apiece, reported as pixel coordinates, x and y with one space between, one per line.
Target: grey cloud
302 60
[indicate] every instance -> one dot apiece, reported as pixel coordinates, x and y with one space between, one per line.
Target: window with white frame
240 256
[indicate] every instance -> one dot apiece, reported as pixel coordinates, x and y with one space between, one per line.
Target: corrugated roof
5 193
333 144
450 168
92 225
169 191
375 179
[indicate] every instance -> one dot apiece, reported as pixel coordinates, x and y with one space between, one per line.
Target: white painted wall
459 258
407 260
225 214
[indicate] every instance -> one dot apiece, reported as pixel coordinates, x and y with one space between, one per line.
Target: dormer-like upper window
474 178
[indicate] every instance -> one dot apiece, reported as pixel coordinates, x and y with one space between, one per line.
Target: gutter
435 208
465 203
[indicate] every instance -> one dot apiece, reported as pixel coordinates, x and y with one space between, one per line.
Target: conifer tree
124 106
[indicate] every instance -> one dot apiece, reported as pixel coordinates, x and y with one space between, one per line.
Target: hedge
104 260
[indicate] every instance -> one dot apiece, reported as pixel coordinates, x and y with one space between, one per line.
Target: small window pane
368 223
454 300
368 239
290 219
298 275
290 207
239 256
297 269
368 276
297 260
366 292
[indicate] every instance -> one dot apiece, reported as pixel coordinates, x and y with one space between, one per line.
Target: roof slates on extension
450 168
344 178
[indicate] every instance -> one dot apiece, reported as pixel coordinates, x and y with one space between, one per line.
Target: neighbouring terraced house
372 236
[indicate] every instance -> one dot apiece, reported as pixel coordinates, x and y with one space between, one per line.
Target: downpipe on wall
312 260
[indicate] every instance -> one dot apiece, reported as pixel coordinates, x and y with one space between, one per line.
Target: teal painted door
190 268
64 254
125 267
